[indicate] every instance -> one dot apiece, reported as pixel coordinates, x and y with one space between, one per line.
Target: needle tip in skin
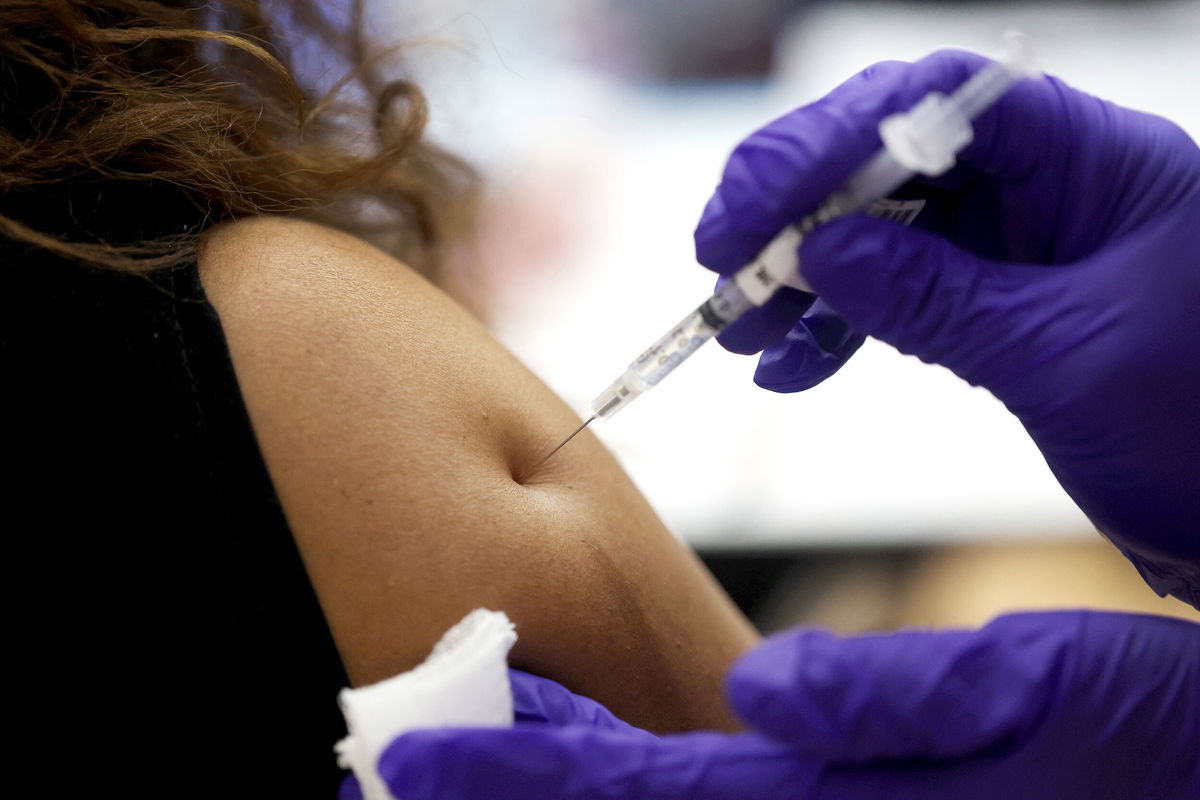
563 444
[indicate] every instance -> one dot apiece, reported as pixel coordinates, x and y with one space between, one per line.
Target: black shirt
168 642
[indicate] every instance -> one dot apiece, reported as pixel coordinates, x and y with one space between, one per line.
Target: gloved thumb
350 789
909 694
925 296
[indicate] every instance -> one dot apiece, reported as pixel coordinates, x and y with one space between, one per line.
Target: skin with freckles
403 440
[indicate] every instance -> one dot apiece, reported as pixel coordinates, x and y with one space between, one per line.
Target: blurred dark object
847 590
688 41
854 590
677 41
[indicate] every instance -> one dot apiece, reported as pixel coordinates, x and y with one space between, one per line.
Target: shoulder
263 250
279 283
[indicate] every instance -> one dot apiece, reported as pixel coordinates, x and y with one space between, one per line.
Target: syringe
924 139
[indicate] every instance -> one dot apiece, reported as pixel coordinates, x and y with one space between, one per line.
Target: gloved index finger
783 171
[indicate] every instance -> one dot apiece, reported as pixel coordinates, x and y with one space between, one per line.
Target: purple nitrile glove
1063 705
564 745
1059 268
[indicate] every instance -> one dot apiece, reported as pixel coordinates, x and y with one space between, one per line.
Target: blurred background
893 494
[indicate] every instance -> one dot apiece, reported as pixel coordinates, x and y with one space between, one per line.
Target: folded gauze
464 682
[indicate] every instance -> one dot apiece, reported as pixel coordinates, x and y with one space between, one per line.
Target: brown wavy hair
100 99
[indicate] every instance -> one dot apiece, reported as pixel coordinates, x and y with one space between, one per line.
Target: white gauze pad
464 682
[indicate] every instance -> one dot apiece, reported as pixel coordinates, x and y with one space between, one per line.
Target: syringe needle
576 432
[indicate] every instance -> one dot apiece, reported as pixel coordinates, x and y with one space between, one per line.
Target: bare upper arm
392 425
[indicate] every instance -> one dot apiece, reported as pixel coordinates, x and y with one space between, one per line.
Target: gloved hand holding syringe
923 140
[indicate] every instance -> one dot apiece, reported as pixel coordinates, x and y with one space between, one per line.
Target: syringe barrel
664 356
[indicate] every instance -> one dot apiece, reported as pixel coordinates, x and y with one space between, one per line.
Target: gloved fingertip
787 367
831 332
811 352
763 326
350 789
